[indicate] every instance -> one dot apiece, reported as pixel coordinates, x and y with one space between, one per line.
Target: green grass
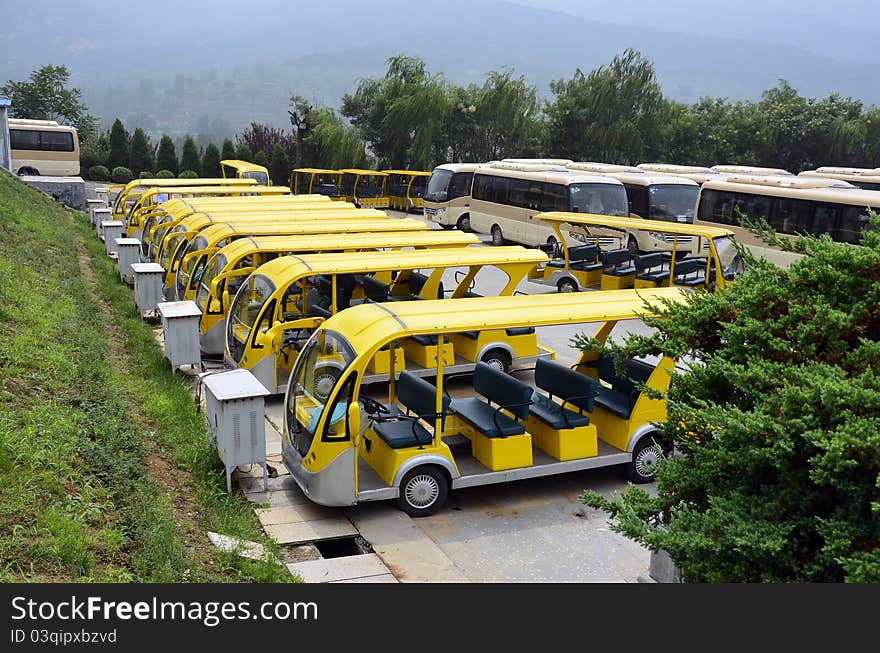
78 499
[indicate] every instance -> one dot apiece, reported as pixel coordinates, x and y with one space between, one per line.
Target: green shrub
146 174
121 175
99 173
188 174
164 174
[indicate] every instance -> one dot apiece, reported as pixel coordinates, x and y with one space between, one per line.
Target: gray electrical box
101 215
128 251
234 408
101 194
149 280
180 329
91 205
112 229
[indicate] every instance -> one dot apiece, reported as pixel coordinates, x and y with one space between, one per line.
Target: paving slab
244 548
298 513
311 531
343 569
408 553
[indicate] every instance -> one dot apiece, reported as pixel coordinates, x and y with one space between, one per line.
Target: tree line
413 118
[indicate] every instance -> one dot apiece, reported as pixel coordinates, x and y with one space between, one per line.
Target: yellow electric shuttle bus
175 245
174 212
448 196
131 192
219 278
700 256
506 197
423 443
278 306
237 169
191 261
169 213
150 201
365 188
789 208
315 181
406 189
864 178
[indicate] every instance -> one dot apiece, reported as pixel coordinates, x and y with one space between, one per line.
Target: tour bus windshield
322 362
601 199
212 269
438 186
673 203
247 305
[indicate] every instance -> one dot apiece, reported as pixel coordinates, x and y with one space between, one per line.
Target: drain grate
343 547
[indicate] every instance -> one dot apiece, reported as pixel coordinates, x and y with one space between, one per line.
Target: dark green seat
425 340
625 386
570 386
501 389
520 331
473 335
651 267
690 272
375 290
399 430
617 263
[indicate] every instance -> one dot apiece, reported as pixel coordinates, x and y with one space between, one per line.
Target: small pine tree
280 170
228 151
141 155
261 159
211 162
189 156
243 152
119 147
166 157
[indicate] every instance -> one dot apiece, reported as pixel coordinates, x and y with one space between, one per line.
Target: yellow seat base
385 461
381 362
610 282
567 444
426 355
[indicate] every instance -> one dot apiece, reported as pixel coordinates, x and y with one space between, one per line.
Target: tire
464 223
28 172
423 491
497 358
447 227
325 380
632 246
497 236
566 285
643 466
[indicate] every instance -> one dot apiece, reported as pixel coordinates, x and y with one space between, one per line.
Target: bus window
603 199
554 198
461 184
672 203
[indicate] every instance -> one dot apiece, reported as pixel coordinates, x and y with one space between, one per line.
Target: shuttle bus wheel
566 285
423 491
646 456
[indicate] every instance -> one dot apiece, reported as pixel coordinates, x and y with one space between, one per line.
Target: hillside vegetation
107 473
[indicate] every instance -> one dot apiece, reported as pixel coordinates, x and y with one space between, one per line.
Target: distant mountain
215 71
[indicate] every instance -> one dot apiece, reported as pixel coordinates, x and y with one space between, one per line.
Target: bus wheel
632 245
566 285
497 358
325 379
646 456
497 236
423 491
464 223
24 172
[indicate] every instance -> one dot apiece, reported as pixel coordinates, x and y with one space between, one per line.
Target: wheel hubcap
324 384
646 462
497 363
422 491
566 287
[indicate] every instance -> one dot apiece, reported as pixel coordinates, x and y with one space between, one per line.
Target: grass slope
106 473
